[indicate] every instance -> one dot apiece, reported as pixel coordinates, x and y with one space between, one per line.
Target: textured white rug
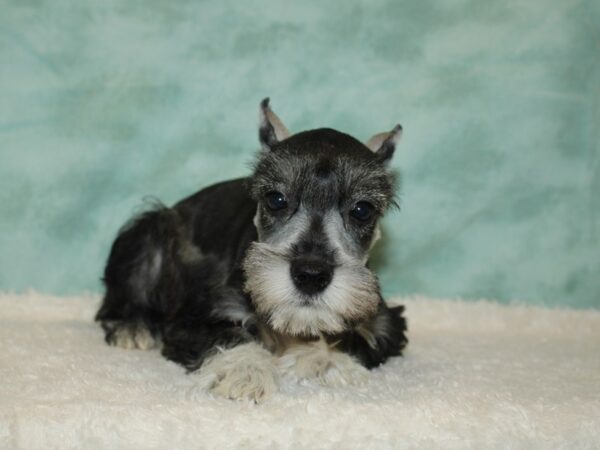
475 375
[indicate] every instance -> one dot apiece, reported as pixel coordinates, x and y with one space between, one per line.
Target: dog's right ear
270 129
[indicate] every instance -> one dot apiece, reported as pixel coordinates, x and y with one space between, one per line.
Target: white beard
352 295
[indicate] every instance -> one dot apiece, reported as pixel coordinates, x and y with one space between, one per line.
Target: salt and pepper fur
209 279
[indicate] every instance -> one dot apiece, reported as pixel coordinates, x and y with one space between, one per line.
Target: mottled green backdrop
105 102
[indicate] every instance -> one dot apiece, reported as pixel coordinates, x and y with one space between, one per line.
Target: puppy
261 277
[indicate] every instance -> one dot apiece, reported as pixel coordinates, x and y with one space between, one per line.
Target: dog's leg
225 357
373 342
140 259
321 362
246 371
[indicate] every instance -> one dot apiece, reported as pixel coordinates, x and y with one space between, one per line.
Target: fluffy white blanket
475 375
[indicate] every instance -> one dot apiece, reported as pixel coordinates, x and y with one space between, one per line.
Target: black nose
311 276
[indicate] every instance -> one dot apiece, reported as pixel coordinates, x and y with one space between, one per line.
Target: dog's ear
270 129
384 144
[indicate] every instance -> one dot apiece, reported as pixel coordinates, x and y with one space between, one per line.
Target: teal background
105 102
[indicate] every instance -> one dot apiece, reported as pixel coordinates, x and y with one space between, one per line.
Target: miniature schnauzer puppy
257 278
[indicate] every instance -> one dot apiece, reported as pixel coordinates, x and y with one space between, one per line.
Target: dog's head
320 196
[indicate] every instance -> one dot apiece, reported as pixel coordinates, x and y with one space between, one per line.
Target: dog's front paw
318 361
243 372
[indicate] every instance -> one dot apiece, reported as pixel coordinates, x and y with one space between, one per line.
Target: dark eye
276 201
362 211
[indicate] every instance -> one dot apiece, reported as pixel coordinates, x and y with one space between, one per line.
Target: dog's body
267 274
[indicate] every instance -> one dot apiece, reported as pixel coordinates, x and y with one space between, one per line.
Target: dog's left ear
271 129
384 144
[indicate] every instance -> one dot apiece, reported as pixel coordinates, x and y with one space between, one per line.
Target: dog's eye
276 201
362 211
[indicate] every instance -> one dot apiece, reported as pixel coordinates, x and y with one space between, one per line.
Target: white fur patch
283 238
134 337
246 371
320 362
351 295
338 238
256 222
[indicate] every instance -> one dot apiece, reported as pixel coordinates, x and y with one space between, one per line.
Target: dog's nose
311 277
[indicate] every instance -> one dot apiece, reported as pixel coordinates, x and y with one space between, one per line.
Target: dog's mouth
309 301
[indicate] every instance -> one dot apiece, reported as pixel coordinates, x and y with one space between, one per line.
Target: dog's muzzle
311 276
